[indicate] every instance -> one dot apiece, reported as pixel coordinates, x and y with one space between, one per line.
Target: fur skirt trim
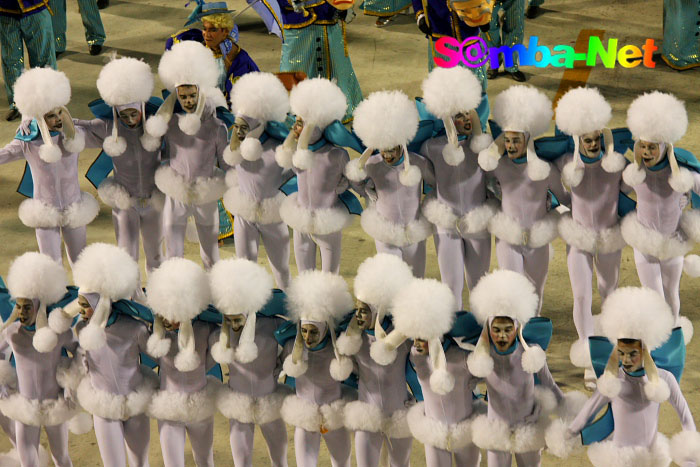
185 407
201 190
382 229
472 224
607 454
361 416
115 195
433 432
248 409
654 243
312 417
36 214
509 230
604 241
47 412
265 211
313 221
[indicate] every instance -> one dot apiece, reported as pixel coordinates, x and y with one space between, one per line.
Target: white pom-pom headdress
642 314
112 273
37 277
38 91
581 111
384 120
318 102
447 92
503 293
239 287
124 81
522 109
658 117
322 297
186 63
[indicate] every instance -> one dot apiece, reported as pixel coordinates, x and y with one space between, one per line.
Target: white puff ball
92 337
294 369
187 361
537 169
354 171
681 182
658 391
480 364
410 176
156 126
178 290
634 175
657 117
687 327
442 382
386 119
157 346
189 123
318 102
303 159
232 158
453 155
283 156
80 424
40 90
613 162
251 149
523 108
572 174
114 147
125 80
59 322
50 153
558 439
246 352
489 157
348 345
582 110
151 143
188 62
75 144
533 359
609 385
449 91
340 368
222 354
261 96
382 354
691 265
480 142
44 340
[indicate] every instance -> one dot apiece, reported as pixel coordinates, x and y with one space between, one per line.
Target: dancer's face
651 153
630 354
421 346
86 310
213 36
311 335
590 144
363 315
236 322
188 95
170 325
53 119
240 128
391 156
515 144
502 333
26 312
298 126
130 117
463 123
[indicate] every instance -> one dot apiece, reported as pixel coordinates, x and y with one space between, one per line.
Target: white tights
305 251
523 459
206 219
113 435
275 237
49 241
368 448
241 437
28 444
468 456
413 255
307 444
172 442
661 276
532 262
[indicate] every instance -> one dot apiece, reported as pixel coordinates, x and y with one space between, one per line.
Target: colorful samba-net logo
473 52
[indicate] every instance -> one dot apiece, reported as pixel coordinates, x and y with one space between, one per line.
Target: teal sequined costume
681 46
92 22
384 7
511 30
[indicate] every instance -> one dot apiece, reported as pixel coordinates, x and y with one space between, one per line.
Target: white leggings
523 459
172 442
113 435
28 444
305 251
147 221
413 255
275 237
532 262
241 437
581 263
49 241
468 456
459 258
206 219
308 443
661 276
368 448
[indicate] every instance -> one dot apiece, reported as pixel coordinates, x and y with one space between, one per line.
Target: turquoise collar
637 373
33 132
519 160
590 160
323 342
510 350
318 144
398 162
660 166
462 137
31 328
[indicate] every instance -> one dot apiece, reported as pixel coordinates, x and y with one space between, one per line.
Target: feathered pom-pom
480 364
222 354
251 149
114 147
410 176
348 345
480 142
382 354
50 153
442 382
609 385
80 424
232 158
559 440
92 337
246 352
283 156
571 404
489 157
156 126
8 375
537 169
75 144
354 171
572 174
189 124
533 359
685 447
294 369
657 392
150 143
633 175
340 369
614 162
44 340
59 322
157 347
453 155
687 327
681 182
691 265
187 361
580 354
231 178
303 159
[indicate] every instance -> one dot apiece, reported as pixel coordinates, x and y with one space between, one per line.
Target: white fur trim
40 90
503 293
361 416
348 345
546 400
476 221
382 354
651 242
82 212
125 80
682 182
240 286
690 224
185 407
92 337
69 373
50 153
8 375
608 454
634 175
410 176
386 119
411 318
533 359
261 96
609 385
614 162
117 407
188 62
251 149
201 190
37 214
604 241
685 447
47 412
231 178
311 417
157 347
220 354
449 91
294 369
76 144
687 327
537 169
572 174
380 228
540 234
215 97
496 435
106 269
582 110
691 265
114 195
453 155
480 142
37 276
246 352
441 381
248 409
178 290
318 102
156 126
488 158
480 364
313 221
439 214
265 211
80 424
657 392
303 159
232 158
354 172
44 340
283 156
657 117
580 354
340 368
558 441
522 108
